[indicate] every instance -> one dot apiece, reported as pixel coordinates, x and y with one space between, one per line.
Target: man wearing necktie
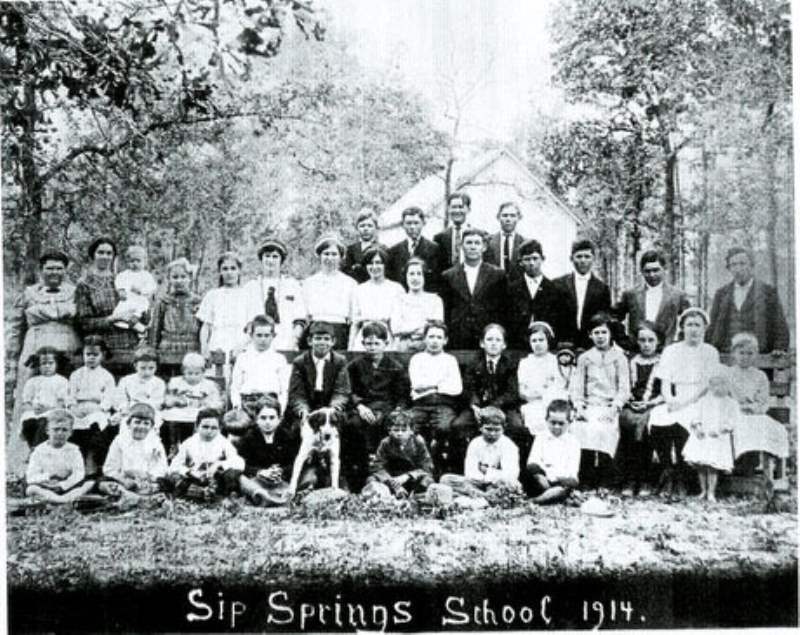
504 246
414 244
449 240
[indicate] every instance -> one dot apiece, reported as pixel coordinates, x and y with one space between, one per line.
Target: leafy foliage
85 84
704 82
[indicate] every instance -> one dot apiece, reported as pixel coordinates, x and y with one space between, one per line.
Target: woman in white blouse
329 292
414 309
277 295
375 299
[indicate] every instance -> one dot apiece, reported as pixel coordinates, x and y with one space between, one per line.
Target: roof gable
428 194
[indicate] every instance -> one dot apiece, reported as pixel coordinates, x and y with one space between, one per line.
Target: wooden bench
780 369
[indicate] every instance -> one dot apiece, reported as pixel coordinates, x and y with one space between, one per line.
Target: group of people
592 403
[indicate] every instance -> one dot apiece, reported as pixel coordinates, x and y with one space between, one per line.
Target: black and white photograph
398 315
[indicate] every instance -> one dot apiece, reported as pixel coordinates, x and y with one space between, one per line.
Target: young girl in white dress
709 447
46 390
755 431
683 371
224 312
375 299
539 378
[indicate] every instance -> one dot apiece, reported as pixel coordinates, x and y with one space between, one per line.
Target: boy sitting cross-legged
136 463
402 463
56 473
555 457
379 384
435 387
206 464
492 460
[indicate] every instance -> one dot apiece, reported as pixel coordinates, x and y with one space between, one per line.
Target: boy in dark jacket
403 463
319 378
379 384
491 381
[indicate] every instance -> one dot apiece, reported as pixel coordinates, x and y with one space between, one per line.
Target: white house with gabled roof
490 179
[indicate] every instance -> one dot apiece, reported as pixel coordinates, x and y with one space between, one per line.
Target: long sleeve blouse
601 378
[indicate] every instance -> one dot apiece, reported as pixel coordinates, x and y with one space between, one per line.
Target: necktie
414 244
507 253
454 260
491 366
271 306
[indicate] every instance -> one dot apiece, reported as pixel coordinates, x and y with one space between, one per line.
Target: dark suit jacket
258 455
467 314
523 309
427 250
351 265
769 323
492 255
673 302
388 383
335 385
598 298
445 241
500 390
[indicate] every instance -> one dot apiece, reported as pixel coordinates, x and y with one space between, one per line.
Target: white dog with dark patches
319 439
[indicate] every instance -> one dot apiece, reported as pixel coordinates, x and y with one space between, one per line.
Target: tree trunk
448 188
672 238
31 184
774 224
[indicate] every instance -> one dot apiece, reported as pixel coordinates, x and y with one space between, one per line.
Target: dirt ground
181 541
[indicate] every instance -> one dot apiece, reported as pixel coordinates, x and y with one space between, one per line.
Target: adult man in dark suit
449 240
747 304
654 300
531 296
504 246
474 293
581 295
367 227
415 244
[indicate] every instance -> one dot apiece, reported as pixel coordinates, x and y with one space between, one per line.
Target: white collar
536 280
746 285
473 267
585 277
658 287
319 360
493 359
